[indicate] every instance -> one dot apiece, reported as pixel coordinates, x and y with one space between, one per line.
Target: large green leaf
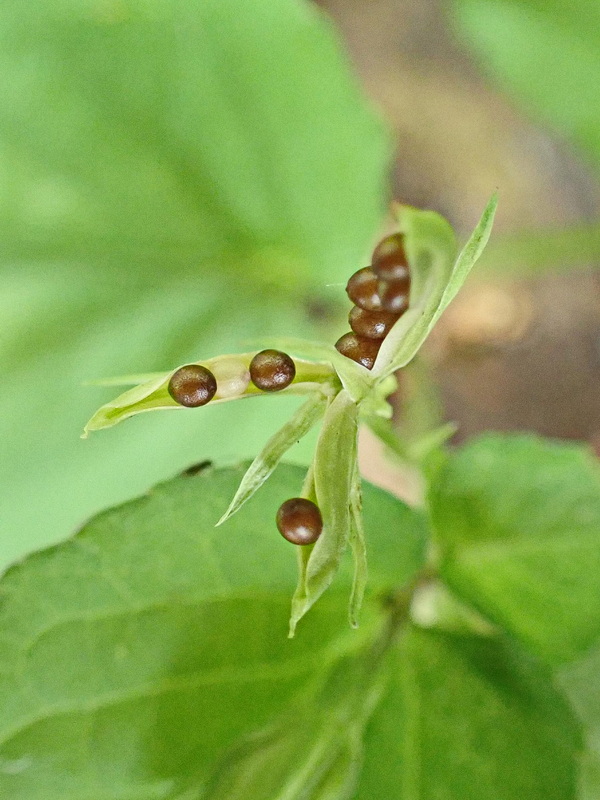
171 127
314 750
517 521
172 185
546 53
135 654
469 718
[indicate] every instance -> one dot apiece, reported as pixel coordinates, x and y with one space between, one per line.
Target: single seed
272 370
358 348
362 289
389 260
192 386
299 521
371 324
394 295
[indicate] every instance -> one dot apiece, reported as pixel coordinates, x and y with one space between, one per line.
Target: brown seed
394 295
272 370
299 521
389 260
358 348
362 289
192 386
371 324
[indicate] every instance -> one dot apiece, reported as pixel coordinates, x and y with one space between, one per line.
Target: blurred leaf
517 520
171 186
136 653
531 253
469 718
436 276
172 129
581 681
547 54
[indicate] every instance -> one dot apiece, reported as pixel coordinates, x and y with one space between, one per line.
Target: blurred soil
509 354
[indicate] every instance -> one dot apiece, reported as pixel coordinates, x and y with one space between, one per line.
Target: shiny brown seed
394 295
389 260
192 386
272 370
362 289
358 348
371 324
299 521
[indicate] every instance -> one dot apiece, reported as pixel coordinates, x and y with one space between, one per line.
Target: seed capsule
192 386
371 324
389 260
394 295
272 370
358 348
299 521
362 290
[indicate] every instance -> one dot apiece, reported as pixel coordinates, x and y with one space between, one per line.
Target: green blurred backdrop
177 180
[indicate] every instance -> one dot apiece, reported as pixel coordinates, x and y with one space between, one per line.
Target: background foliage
161 205
545 54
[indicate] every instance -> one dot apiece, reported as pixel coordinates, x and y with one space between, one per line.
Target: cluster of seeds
380 296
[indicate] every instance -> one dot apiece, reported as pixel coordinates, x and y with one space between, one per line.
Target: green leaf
469 718
517 521
580 682
136 654
436 276
313 750
546 53
334 466
130 145
264 464
167 178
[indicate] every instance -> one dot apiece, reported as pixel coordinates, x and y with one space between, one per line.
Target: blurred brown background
512 352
